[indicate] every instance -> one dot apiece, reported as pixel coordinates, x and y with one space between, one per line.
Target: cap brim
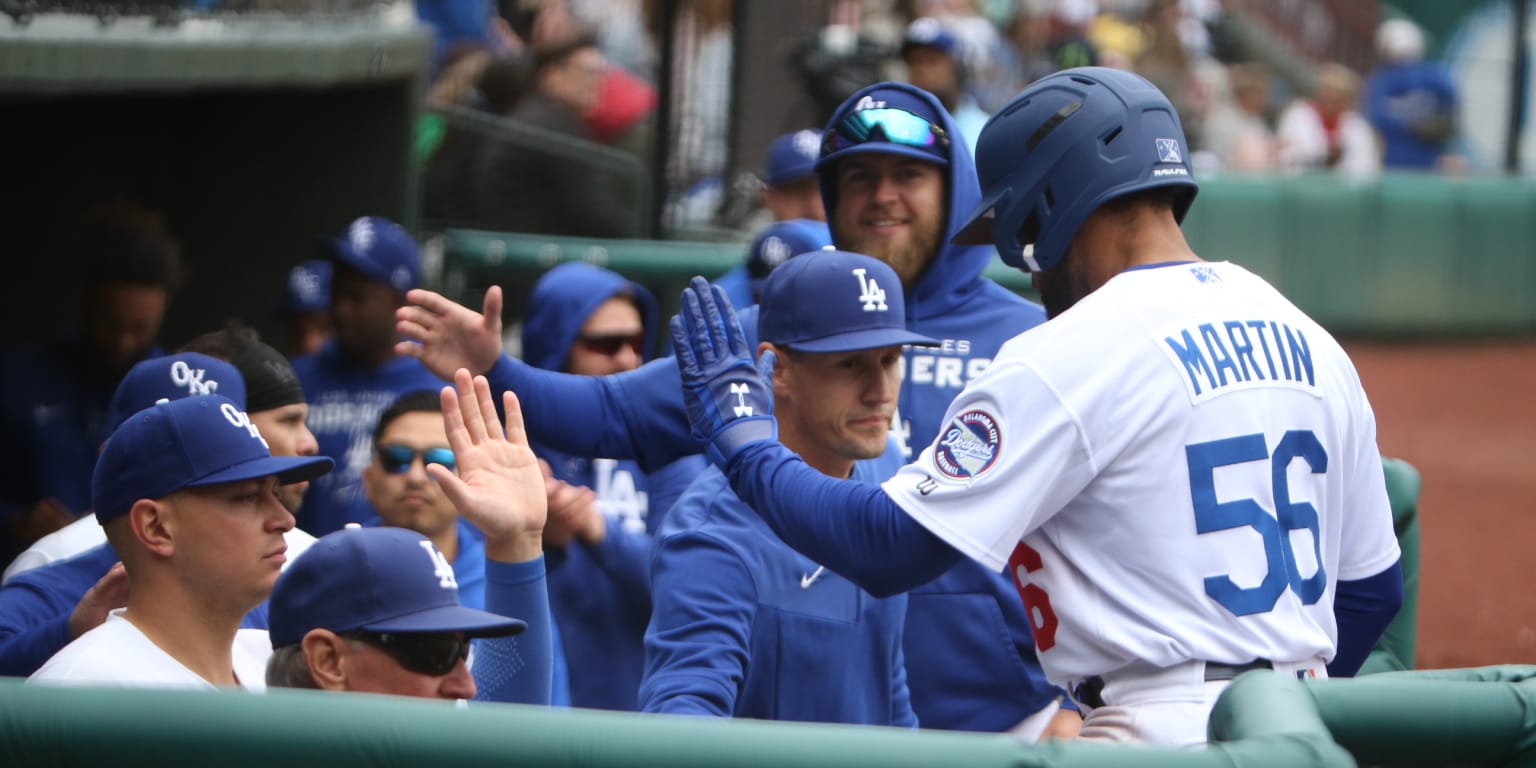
451 618
288 469
855 341
883 147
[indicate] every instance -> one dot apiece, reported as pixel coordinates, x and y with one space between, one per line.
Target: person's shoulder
102 655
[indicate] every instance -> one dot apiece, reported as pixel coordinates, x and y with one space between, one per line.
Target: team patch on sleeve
968 446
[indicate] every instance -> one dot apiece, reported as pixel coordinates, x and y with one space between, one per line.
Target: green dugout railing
1462 717
1406 255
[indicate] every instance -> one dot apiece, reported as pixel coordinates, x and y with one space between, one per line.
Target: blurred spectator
935 64
526 189
1237 133
307 306
1069 45
1326 131
1169 65
53 396
589 321
356 374
478 81
1411 102
773 246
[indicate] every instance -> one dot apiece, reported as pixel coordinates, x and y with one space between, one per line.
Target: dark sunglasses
427 653
396 459
610 345
896 126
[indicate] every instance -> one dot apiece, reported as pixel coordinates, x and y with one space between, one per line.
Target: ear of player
728 403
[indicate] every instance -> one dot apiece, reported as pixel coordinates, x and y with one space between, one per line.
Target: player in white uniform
1179 468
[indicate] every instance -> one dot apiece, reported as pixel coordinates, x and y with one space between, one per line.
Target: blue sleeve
871 541
34 625
516 669
1363 609
636 415
699 639
902 715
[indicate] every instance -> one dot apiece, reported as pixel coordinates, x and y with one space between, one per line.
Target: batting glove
728 403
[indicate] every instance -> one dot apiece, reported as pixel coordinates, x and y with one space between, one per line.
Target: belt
1090 692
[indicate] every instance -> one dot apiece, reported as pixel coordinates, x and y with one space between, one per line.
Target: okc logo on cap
183 375
969 446
1168 151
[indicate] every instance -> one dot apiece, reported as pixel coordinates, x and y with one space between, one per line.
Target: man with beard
897 186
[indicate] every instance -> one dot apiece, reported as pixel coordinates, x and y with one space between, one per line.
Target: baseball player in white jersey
1179 469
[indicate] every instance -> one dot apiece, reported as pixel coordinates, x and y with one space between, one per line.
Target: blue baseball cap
792 157
888 118
930 32
835 301
173 377
309 287
375 579
187 443
780 241
380 249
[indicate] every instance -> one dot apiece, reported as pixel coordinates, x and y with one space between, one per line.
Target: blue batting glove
728 404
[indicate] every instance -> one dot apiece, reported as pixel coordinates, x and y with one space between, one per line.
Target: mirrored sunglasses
888 124
397 459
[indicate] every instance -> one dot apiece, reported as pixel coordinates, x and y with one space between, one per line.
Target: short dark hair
419 401
226 343
556 52
124 242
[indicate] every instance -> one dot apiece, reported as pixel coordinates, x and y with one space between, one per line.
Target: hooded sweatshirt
600 595
979 670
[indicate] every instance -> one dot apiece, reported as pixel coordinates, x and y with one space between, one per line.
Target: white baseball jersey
1180 467
119 654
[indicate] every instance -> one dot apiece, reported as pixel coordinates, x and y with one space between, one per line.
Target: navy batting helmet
1064 146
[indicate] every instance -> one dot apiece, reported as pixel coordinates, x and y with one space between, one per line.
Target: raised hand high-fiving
497 484
729 405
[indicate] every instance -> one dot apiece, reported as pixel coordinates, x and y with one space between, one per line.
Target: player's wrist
737 434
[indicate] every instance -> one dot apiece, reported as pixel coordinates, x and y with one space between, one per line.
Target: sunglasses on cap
609 345
397 459
888 124
427 653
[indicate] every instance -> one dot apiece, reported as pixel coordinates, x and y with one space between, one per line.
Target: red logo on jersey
969 445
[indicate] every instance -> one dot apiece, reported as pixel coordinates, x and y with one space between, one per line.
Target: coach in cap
742 626
377 610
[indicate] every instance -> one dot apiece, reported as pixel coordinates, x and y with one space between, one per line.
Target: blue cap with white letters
835 301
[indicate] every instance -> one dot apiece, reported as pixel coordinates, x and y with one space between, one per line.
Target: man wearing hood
897 185
586 320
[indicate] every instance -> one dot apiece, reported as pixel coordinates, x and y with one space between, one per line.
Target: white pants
1165 706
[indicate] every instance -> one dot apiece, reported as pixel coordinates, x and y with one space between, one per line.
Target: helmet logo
1168 151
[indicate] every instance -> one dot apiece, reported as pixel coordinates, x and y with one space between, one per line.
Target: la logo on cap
442 570
870 292
183 375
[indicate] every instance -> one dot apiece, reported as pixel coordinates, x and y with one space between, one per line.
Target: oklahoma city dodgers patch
968 446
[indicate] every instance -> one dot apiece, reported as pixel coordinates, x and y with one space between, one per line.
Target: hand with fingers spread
728 404
446 336
497 485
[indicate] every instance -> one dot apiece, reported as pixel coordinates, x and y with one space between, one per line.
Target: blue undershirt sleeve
34 625
516 669
1363 609
869 541
636 415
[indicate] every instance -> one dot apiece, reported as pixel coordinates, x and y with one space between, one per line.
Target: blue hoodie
746 627
600 595
969 617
